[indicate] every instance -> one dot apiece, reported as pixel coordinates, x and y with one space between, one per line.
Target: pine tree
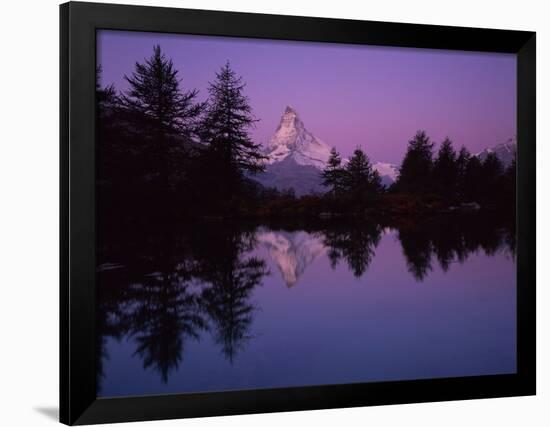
106 97
416 168
163 121
375 182
226 125
509 183
117 151
473 178
107 105
492 167
461 168
491 172
333 173
445 170
359 177
157 101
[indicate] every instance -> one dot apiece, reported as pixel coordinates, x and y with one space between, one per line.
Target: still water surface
215 307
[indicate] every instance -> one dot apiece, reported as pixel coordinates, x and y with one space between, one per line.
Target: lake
219 305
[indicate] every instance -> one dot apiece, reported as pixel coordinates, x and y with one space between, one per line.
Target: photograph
278 213
243 214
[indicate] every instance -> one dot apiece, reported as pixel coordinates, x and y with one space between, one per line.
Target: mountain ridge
505 151
296 158
293 139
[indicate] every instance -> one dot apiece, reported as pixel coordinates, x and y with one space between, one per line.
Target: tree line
161 148
161 151
357 178
455 175
451 175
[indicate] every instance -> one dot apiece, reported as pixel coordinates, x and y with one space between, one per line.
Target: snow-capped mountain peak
388 170
505 151
292 140
295 158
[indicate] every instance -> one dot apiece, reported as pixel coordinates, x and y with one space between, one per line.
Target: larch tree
416 168
227 124
155 97
461 168
473 179
491 172
445 170
333 173
360 178
164 120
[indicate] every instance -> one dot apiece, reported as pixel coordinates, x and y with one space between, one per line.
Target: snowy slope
505 151
287 174
293 140
296 157
387 171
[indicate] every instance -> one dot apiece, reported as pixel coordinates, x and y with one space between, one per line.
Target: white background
29 210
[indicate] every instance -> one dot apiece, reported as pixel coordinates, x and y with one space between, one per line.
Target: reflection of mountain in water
293 252
161 289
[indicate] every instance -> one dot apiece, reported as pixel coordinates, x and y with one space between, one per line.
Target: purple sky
375 97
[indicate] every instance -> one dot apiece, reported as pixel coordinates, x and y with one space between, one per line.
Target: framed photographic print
272 213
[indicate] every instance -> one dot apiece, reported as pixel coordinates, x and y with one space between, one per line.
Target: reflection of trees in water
417 251
163 288
453 239
357 245
164 313
229 276
168 288
227 302
108 325
148 297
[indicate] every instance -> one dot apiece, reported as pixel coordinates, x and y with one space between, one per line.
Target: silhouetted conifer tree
163 119
105 96
227 123
445 170
509 183
359 178
416 168
491 172
461 169
333 173
156 99
118 159
473 178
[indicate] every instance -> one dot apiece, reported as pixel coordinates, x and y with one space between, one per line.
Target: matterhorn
295 158
293 141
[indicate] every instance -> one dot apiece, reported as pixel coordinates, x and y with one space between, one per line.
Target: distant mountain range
296 157
388 172
506 151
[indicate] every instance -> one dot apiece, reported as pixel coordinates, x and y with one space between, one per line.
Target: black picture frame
78 25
